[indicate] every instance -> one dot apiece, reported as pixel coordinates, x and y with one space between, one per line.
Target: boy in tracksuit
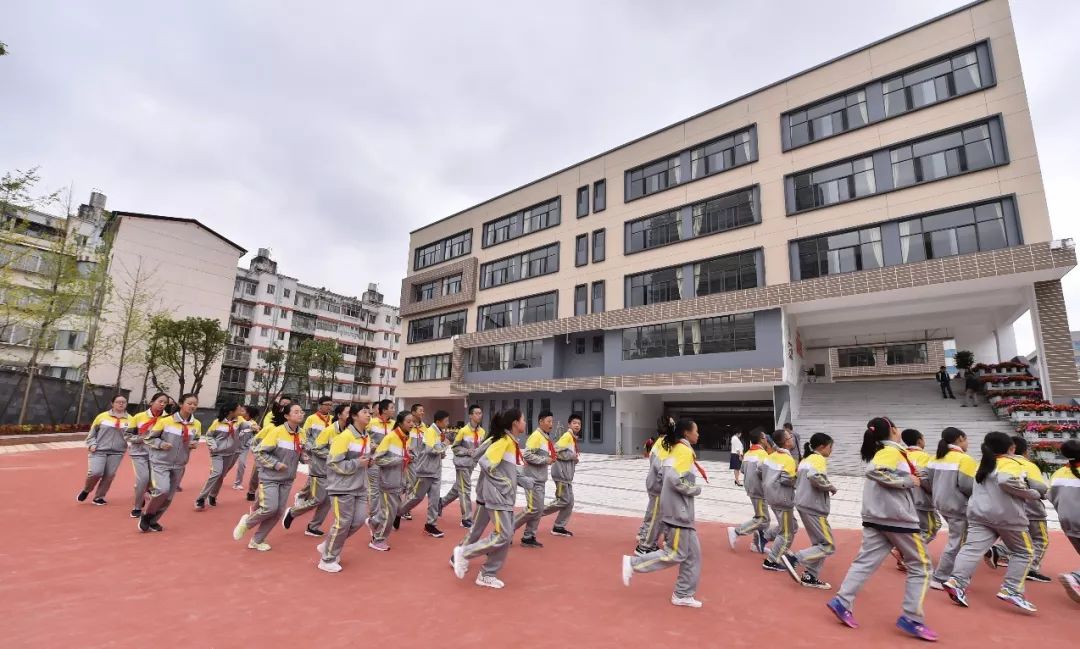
391 457
427 467
1036 513
779 477
278 455
171 441
106 445
1065 494
464 447
483 516
929 520
649 532
223 440
246 431
379 427
754 482
346 482
317 438
141 423
538 454
562 472
812 493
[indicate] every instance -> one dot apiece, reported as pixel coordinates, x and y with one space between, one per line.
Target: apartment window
597 344
241 331
249 288
351 310
427 368
654 231
855 357
946 155
579 346
932 83
287 292
727 273
581 250
452 285
599 245
717 335
395 356
596 420
397 337
653 177
270 289
425 291
827 118
598 297
284 314
577 407
386 336
267 309
534 263
662 285
835 184
446 249
381 372
281 335
326 325
720 154
538 217
583 201
535 308
437 327
510 356
840 253
599 201
233 375
243 310
956 232
911 354
387 319
264 331
724 213
581 299
73 340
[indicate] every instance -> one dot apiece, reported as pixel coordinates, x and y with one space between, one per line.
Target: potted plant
964 360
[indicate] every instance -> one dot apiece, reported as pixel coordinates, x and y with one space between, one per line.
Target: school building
864 219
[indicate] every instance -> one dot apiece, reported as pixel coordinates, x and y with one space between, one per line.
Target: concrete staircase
842 409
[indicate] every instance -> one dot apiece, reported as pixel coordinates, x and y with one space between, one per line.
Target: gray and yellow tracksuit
562 472
996 508
428 452
779 476
464 448
246 432
377 429
1065 494
280 446
951 480
890 521
416 440
167 464
537 456
253 482
651 525
346 482
107 444
1036 513
499 465
482 517
223 440
390 457
140 425
317 439
929 520
753 468
812 492
681 546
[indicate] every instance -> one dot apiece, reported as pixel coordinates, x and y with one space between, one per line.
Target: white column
1040 349
1006 342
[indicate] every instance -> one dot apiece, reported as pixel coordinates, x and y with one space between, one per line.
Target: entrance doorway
718 420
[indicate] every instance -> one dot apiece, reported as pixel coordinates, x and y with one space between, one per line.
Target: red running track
76 575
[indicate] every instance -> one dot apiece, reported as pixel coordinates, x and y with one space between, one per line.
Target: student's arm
821 482
1017 486
131 433
1035 481
965 476
91 437
882 470
154 438
566 453
535 457
459 449
264 453
337 461
384 458
787 479
681 482
212 435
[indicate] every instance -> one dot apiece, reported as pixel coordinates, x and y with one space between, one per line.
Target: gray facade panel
570 364
561 403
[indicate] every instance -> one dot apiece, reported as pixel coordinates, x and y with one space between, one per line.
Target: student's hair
384 405
778 437
788 426
340 408
675 433
416 406
817 440
185 397
664 426
356 407
226 409
440 415
911 437
281 414
1071 451
572 418
877 431
157 395
400 419
501 423
250 412
323 399
1020 443
475 406
994 444
755 436
117 396
545 413
948 436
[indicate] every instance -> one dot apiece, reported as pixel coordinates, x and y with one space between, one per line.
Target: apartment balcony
232 385
302 325
236 357
365 356
364 379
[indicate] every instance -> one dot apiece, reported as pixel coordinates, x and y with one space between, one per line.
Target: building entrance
718 420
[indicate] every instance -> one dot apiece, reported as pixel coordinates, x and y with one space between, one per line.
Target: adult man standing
945 381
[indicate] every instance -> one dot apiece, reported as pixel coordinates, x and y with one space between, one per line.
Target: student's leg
1021 555
978 541
217 473
496 546
480 523
253 483
957 534
649 525
929 525
380 517
675 550
112 464
918 564
241 466
568 508
786 535
758 522
141 465
821 539
349 513
272 502
322 505
95 470
228 462
434 488
874 549
414 495
534 506
1040 539
161 490
686 583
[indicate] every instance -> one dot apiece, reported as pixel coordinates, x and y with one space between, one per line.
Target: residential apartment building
271 310
853 218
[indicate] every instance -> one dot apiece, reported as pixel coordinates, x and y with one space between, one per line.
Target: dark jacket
972 382
942 376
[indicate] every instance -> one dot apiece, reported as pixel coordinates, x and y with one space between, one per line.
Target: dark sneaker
200 505
136 513
313 531
82 496
561 531
144 523
642 550
156 527
990 557
406 517
957 594
466 523
1037 576
397 522
757 546
810 581
287 519
250 497
99 502
212 501
916 629
846 617
530 542
179 488
789 562
774 567
431 530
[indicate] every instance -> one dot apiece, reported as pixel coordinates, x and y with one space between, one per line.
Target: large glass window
599 245
437 327
724 213
720 154
727 273
581 250
943 155
956 232
452 247
723 153
510 356
534 263
581 299
533 219
834 184
654 231
427 368
599 201
452 285
911 354
716 335
597 297
662 285
583 201
932 83
654 177
535 308
596 421
828 117
855 357
840 253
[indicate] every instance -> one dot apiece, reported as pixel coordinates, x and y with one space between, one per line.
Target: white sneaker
627 570
261 547
237 487
241 528
333 566
489 581
685 601
936 585
321 547
732 537
461 564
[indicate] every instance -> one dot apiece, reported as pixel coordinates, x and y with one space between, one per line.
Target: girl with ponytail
889 521
753 480
952 478
1065 494
651 528
812 492
996 509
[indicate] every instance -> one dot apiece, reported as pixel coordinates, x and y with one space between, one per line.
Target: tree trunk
30 367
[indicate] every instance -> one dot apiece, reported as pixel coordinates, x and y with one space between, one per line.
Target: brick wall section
659 380
1057 348
935 358
467 267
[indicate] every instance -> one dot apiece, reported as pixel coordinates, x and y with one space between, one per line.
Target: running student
812 492
779 476
1036 514
952 478
106 445
538 455
416 441
464 447
391 458
500 464
681 546
483 516
427 459
248 429
318 431
280 404
346 482
889 521
753 480
275 415
379 427
171 441
929 520
141 423
996 508
223 440
278 455
562 472
1065 494
650 530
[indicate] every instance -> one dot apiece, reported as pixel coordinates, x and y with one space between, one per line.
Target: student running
141 423
223 440
952 478
427 460
346 482
812 492
171 441
318 431
753 481
1065 494
538 455
929 520
248 429
651 527
1036 513
464 447
391 458
779 476
562 473
106 446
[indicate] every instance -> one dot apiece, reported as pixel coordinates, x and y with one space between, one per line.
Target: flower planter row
1032 384
1025 416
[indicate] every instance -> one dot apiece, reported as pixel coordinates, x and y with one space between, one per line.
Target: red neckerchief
325 420
232 428
697 466
517 451
475 437
117 420
754 447
149 422
404 446
550 444
908 460
185 435
295 438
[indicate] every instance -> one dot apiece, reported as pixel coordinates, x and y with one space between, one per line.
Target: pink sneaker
381 546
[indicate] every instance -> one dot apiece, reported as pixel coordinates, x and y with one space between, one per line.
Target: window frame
443 247
516 309
857 351
582 201
600 235
680 162
515 262
599 195
439 326
531 351
581 300
596 421
581 250
593 297
515 222
682 235
412 362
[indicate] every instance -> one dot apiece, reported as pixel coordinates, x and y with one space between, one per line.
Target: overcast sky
328 133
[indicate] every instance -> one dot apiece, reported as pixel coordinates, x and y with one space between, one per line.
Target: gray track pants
1040 539
929 525
241 466
350 514
876 547
979 539
163 484
270 507
253 483
480 523
534 509
681 548
821 538
650 526
957 534
424 487
781 535
141 465
461 491
100 472
313 496
385 510
496 545
760 521
219 466
564 504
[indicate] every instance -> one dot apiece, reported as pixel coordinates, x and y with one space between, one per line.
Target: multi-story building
271 310
850 218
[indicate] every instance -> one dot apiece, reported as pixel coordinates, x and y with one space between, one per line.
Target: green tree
270 374
185 348
322 357
126 323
